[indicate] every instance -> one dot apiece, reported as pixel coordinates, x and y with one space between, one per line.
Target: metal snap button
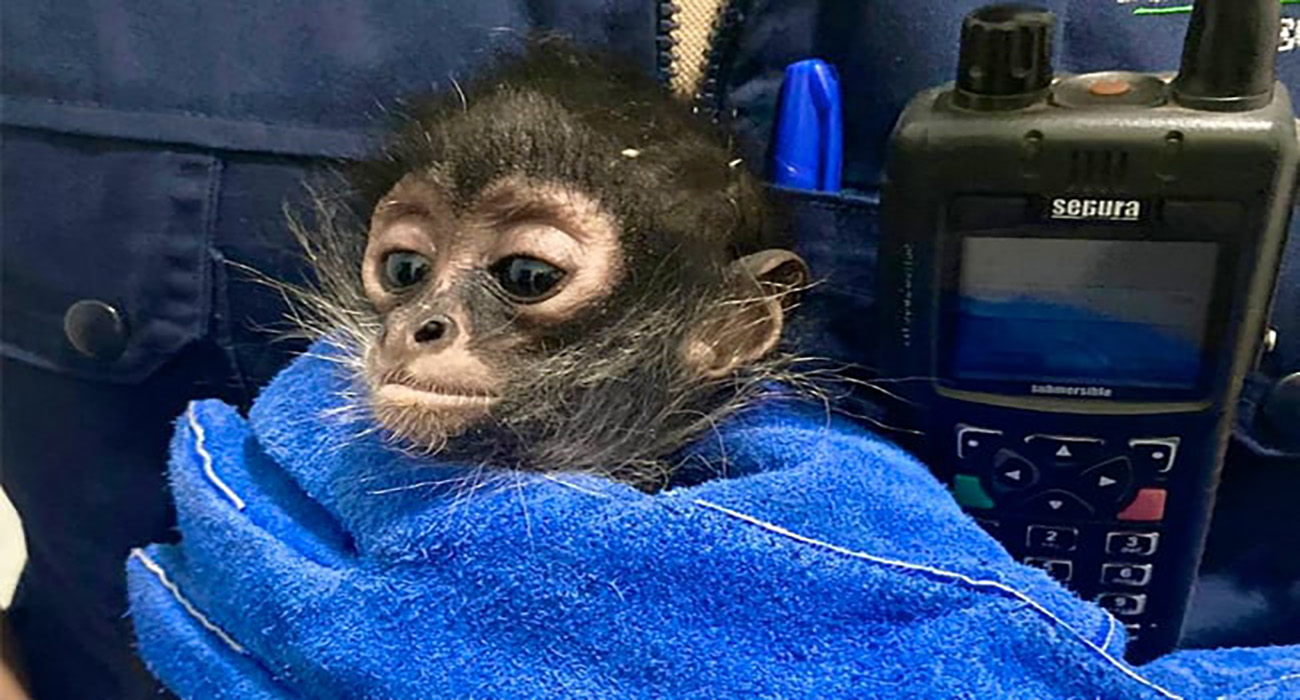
95 329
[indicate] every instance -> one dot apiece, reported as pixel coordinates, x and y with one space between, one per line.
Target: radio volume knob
1006 57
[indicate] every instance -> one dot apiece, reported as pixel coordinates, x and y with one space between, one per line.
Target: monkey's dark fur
605 393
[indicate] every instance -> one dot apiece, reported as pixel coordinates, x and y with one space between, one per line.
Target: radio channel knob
1006 57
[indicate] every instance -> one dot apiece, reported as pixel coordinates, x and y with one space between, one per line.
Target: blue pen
808 144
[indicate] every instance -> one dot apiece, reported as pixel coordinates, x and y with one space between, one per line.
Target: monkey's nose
439 330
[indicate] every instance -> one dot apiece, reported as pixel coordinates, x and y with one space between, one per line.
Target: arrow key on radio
1058 504
1063 450
1107 482
1012 472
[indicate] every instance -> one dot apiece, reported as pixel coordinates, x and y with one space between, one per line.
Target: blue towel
317 562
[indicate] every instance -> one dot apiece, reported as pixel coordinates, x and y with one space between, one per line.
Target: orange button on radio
1110 88
1147 506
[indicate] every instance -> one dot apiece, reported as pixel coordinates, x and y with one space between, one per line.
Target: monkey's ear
749 325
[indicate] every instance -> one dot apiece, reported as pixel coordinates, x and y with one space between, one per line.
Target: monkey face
467 292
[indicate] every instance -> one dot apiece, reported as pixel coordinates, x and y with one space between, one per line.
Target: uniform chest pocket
105 270
837 235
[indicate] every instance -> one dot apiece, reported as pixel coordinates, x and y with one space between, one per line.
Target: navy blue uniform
146 147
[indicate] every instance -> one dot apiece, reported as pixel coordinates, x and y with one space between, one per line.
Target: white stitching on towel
1261 684
575 487
1110 631
208 470
978 583
158 571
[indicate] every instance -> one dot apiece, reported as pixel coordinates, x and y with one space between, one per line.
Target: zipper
724 39
665 24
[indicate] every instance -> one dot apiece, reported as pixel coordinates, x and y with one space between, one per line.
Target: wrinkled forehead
518 154
510 200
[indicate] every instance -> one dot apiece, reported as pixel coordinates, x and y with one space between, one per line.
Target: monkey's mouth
402 388
437 398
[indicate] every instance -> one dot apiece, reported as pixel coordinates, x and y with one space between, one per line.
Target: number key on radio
1060 569
1061 539
1125 604
1138 544
1126 574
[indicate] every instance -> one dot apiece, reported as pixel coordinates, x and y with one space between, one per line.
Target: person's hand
10 689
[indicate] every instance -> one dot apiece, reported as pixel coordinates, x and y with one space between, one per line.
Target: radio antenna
1229 55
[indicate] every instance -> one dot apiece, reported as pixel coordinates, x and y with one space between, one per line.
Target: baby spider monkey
556 267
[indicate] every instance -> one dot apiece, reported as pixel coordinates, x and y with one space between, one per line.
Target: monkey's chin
425 416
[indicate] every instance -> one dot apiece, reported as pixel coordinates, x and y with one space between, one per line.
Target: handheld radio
1076 272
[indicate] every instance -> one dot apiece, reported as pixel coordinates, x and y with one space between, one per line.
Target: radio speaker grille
1098 167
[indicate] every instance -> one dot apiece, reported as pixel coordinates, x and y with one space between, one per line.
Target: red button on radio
1147 506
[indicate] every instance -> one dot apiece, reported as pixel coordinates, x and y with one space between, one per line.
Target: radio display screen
1071 312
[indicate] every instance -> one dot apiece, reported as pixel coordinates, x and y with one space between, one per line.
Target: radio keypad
1087 511
1088 478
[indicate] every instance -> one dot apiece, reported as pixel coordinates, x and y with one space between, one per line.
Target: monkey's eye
526 279
403 269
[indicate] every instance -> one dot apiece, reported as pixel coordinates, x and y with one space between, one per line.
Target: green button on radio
970 493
